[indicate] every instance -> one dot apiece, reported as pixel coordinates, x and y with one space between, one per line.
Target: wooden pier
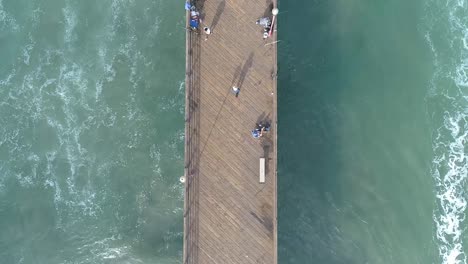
229 215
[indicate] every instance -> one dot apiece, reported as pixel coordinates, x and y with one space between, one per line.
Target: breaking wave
447 36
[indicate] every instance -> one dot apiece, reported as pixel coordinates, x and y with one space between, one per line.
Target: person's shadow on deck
241 72
217 16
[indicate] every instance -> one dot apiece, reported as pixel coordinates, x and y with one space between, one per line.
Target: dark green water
372 131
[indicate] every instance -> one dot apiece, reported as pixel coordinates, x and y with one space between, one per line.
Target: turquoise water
373 131
91 131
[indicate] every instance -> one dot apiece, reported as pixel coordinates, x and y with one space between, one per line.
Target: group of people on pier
195 20
267 24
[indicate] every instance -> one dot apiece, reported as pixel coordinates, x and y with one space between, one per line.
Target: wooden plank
228 216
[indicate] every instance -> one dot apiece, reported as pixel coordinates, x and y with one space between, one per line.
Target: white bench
262 170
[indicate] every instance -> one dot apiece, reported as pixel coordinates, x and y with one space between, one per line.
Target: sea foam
450 121
7 21
450 173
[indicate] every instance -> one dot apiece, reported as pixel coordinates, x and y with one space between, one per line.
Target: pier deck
230 217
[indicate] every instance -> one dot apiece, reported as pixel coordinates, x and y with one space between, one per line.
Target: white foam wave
119 16
7 80
72 90
52 182
449 164
107 249
36 17
7 21
155 155
108 71
71 21
28 100
27 50
450 170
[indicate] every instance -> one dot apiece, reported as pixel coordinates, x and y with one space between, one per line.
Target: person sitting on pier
265 22
260 128
194 18
256 133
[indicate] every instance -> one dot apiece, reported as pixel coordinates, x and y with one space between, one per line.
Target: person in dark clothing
259 129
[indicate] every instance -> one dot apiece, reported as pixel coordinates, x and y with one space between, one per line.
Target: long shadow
245 69
236 75
261 117
309 85
214 124
268 9
217 16
199 4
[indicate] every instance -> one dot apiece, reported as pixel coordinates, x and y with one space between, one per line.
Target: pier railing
192 95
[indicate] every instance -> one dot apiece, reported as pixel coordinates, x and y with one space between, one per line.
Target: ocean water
91 131
372 131
373 127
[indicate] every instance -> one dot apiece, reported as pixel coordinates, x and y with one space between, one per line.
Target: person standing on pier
235 90
207 32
